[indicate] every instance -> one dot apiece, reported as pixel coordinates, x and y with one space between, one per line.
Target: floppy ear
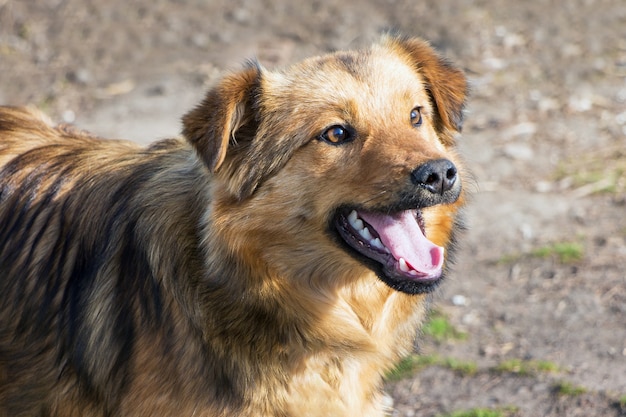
446 84
220 117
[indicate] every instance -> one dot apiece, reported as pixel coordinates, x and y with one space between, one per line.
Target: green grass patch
483 412
565 252
409 366
509 259
546 366
526 368
568 389
414 363
461 367
440 329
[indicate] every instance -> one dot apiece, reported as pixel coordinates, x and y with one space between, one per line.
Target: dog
275 260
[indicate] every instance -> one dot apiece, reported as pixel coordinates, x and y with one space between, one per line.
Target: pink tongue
401 234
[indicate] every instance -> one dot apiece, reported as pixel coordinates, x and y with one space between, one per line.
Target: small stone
69 116
459 300
543 186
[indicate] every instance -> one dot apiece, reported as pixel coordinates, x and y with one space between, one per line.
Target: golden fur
202 276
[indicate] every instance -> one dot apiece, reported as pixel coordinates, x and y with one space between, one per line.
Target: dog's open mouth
407 260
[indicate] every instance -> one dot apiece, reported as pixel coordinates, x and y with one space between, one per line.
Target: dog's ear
224 115
446 84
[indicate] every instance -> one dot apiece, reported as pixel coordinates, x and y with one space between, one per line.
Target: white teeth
403 266
358 225
378 244
354 221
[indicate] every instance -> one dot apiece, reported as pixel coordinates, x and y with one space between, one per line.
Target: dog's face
349 157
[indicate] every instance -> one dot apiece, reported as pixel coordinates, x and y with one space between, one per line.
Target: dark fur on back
59 244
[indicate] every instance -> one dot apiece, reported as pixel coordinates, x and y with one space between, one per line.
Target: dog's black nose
437 176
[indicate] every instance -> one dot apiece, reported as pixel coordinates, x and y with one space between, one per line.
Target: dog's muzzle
392 240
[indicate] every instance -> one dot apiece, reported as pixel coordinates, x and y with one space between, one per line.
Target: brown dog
275 263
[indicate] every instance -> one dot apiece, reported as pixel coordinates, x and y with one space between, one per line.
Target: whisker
374 197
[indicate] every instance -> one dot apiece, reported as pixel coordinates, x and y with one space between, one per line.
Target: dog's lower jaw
370 251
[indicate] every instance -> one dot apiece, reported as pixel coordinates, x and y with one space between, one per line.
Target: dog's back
79 261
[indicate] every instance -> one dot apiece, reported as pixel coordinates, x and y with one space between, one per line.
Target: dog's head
352 152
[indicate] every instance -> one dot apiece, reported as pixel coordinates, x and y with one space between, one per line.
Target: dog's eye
336 135
416 117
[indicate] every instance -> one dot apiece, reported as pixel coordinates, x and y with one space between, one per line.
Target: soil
541 274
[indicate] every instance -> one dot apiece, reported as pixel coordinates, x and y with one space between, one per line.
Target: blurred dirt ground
536 307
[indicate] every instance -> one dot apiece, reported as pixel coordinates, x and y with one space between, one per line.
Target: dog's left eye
336 135
416 117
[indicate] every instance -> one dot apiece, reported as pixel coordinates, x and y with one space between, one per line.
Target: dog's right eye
337 135
416 117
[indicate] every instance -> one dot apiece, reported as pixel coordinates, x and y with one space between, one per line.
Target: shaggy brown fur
221 275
